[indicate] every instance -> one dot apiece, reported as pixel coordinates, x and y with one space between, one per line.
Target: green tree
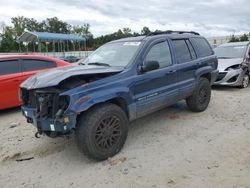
83 30
127 32
244 37
54 25
234 39
145 31
8 43
19 25
33 25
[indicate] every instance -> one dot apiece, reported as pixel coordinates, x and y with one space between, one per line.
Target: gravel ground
170 148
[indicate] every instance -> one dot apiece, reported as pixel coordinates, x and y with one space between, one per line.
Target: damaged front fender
84 102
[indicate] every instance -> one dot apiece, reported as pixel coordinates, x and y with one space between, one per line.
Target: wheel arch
204 72
207 76
113 98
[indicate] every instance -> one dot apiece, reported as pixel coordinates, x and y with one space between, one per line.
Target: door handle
171 72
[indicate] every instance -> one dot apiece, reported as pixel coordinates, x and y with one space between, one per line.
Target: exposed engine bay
48 102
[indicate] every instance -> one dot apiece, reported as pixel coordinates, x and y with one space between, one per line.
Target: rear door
155 89
33 66
10 80
186 66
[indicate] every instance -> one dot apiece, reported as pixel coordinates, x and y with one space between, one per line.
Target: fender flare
204 70
97 97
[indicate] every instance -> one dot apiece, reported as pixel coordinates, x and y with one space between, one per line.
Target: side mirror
149 66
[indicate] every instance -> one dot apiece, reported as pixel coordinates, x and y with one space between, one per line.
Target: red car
15 69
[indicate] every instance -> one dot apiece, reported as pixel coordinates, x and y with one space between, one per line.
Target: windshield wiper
99 64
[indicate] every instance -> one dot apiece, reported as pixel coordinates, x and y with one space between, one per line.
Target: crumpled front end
231 77
47 98
231 72
47 110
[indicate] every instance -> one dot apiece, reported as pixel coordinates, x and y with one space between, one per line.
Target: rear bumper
63 125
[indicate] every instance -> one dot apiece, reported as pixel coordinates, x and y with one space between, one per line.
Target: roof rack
171 32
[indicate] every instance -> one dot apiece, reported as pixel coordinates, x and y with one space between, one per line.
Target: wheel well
207 76
117 101
121 103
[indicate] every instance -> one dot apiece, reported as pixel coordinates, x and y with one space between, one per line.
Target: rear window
9 67
35 64
181 50
202 47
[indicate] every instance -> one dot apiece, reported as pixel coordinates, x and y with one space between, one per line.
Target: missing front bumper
61 125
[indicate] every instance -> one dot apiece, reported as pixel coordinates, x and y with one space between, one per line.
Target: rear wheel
200 99
245 81
102 131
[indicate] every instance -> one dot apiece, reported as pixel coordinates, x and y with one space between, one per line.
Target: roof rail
171 32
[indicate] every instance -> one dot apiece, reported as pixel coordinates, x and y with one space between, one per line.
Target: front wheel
200 99
102 131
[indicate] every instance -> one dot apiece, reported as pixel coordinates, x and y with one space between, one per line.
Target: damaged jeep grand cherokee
121 81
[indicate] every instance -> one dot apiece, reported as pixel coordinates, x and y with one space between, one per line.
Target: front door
155 89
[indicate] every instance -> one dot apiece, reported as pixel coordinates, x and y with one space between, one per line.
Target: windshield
230 51
113 54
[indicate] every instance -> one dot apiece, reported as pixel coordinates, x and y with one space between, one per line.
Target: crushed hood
225 63
54 76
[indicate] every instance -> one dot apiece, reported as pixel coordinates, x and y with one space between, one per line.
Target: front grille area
46 102
221 76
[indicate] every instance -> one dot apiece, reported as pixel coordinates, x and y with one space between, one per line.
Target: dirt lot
170 148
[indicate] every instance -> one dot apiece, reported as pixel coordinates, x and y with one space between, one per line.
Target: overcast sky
210 18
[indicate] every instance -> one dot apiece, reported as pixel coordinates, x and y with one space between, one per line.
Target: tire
245 81
102 131
198 102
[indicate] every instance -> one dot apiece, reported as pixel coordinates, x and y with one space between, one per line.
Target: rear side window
160 52
191 49
181 50
9 67
202 47
35 64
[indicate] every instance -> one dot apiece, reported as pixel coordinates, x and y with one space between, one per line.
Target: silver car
233 64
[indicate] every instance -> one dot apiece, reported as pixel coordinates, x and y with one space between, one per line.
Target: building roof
28 36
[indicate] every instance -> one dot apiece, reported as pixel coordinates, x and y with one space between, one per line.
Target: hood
54 76
225 63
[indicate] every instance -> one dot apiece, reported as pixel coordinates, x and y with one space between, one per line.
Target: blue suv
121 81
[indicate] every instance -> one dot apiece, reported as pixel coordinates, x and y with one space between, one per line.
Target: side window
9 67
202 47
181 50
51 64
191 49
35 64
160 52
